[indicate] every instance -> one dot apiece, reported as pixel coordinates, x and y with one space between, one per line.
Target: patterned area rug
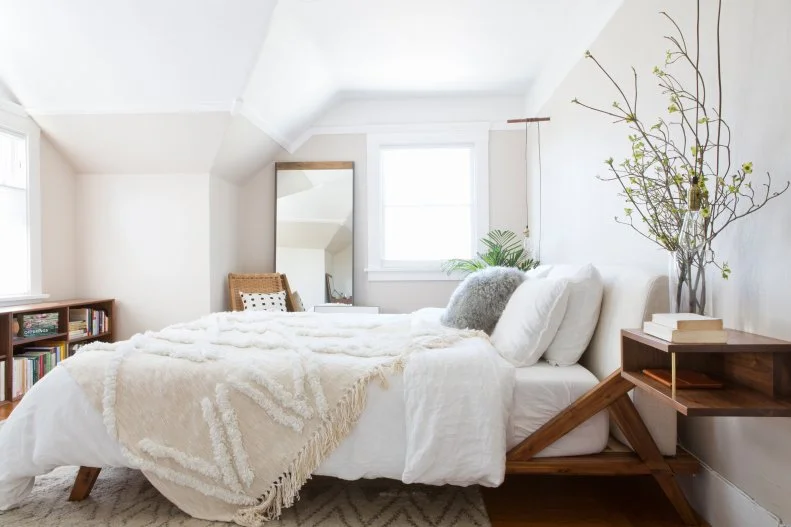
124 497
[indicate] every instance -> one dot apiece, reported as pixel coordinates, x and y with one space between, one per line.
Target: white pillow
530 320
582 314
539 272
264 301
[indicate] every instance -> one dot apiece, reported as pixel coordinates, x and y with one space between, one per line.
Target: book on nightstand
686 328
684 378
686 321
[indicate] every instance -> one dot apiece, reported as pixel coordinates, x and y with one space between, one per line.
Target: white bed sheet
60 427
541 392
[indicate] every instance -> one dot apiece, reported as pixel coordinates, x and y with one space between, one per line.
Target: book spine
2 381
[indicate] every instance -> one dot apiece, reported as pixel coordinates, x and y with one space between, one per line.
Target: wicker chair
257 283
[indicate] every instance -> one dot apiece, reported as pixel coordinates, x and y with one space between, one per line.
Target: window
428 201
14 239
20 264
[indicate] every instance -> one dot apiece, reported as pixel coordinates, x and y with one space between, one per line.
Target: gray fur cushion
480 299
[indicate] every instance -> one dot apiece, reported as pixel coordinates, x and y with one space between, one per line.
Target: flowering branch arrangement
692 143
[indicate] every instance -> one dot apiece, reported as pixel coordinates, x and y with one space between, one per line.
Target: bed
529 430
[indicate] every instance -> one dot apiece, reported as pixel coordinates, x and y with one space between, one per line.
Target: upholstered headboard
631 295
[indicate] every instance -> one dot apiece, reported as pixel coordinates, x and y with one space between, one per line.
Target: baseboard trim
723 504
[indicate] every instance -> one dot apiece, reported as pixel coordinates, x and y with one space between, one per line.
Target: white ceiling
276 66
138 143
120 56
491 46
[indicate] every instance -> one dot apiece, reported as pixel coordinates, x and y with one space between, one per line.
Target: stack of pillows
549 312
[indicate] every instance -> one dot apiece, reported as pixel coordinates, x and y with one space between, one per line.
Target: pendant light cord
540 190
540 201
527 201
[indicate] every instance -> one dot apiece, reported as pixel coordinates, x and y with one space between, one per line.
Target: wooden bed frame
612 394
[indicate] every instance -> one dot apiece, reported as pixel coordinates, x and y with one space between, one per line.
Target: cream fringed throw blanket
229 415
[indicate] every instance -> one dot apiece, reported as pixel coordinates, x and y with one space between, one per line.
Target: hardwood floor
5 410
576 501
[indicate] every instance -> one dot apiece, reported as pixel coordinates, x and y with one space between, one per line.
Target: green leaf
726 271
503 248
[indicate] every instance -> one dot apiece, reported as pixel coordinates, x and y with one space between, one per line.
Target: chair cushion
264 301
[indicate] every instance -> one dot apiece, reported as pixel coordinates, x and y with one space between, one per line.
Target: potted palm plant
503 249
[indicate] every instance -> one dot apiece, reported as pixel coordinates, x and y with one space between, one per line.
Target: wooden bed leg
83 483
593 402
628 420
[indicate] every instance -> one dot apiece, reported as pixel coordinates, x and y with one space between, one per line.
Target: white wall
256 216
58 222
578 210
506 210
223 242
306 268
144 240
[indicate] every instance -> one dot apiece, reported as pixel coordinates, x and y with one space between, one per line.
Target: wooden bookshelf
11 343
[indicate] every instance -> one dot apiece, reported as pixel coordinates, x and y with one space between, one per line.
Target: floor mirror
314 235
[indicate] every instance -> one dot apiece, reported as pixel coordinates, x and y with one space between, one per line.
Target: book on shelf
61 347
86 321
685 379
685 336
32 363
687 321
37 324
2 381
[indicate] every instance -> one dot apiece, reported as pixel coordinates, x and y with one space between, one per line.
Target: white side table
345 308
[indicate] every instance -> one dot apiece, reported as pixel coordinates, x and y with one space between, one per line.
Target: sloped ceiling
116 56
232 81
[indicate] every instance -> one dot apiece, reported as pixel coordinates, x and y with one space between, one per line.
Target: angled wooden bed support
613 394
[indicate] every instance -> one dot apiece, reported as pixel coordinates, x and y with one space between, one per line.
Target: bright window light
14 228
427 199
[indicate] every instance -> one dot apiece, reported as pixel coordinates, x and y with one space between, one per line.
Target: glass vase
690 290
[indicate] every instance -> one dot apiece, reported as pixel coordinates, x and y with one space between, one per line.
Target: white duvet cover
444 420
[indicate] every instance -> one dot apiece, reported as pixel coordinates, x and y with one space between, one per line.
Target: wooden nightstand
756 371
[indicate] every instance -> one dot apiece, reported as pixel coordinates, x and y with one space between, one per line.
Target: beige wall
506 210
145 240
578 210
223 242
58 234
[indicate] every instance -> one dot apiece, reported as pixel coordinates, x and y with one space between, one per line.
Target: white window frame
14 119
472 134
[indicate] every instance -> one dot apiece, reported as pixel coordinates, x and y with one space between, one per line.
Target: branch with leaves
693 140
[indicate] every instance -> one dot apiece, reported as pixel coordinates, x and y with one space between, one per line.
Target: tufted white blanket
229 415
